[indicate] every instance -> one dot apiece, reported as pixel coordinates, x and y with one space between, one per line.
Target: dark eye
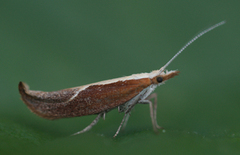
159 79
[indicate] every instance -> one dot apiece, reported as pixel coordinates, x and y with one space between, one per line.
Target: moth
101 97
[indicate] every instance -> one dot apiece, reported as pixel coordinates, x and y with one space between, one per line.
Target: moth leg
120 125
121 109
126 120
103 116
94 122
154 95
153 110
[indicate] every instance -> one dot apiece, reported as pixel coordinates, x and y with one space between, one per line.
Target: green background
53 45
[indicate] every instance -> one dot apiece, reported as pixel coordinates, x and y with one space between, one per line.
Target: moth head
164 76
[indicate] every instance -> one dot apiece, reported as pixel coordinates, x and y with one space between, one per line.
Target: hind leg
94 122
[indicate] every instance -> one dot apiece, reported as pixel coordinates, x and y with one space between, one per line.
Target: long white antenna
190 42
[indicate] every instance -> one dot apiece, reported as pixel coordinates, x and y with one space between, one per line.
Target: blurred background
52 45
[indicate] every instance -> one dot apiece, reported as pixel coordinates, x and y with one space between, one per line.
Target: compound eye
159 79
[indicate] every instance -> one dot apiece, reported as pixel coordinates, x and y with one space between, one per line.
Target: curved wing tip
22 87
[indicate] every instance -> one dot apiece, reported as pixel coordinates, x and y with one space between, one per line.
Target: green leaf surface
53 45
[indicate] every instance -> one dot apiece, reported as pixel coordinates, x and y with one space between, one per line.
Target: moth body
93 98
100 97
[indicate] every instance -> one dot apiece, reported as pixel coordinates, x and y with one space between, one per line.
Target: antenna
190 42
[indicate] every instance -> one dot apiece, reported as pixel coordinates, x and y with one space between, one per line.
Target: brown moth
99 98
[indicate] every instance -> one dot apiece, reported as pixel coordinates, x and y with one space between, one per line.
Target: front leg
153 110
